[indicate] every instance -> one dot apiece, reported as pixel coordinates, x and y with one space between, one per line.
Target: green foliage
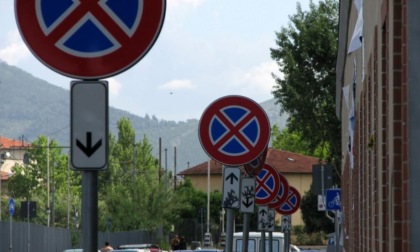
315 221
48 166
300 237
306 55
294 142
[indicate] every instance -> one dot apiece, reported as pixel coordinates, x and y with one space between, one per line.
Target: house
11 152
295 167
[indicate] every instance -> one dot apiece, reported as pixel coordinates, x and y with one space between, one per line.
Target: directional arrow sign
271 219
231 187
89 125
262 218
88 149
247 195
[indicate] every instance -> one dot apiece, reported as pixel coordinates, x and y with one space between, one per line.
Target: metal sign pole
337 228
90 210
262 240
29 232
230 214
11 234
270 241
246 232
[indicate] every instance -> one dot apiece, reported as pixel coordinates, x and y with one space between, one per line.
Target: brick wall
375 192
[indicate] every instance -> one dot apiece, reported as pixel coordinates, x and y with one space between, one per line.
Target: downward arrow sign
89 150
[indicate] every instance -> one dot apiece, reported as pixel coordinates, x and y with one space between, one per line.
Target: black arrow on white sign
232 177
88 149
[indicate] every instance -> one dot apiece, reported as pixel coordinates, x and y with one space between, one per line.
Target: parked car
208 250
294 248
76 250
128 250
147 247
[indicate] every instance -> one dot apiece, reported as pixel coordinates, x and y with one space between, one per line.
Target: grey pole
337 232
245 232
29 232
229 229
90 210
11 235
270 241
262 240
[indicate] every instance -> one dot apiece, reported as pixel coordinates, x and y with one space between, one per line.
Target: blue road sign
333 199
11 206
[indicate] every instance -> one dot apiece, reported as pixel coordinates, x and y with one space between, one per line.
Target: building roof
4 176
7 143
283 161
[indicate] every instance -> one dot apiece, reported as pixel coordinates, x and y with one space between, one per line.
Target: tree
314 220
294 142
47 167
134 173
306 55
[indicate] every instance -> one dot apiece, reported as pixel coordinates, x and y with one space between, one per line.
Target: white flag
356 39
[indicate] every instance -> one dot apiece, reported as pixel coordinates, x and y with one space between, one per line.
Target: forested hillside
30 107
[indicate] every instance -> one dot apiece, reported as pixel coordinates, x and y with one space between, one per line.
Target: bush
300 237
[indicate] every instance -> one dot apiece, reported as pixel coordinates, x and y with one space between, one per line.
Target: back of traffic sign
90 39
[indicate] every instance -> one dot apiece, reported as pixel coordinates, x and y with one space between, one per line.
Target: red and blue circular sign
291 204
90 39
268 185
282 193
234 130
255 166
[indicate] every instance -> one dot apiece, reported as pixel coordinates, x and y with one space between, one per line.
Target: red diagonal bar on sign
88 6
234 130
288 202
261 183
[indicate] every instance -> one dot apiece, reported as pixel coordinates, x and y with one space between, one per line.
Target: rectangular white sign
231 187
247 195
89 125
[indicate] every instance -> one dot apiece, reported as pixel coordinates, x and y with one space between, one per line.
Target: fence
51 239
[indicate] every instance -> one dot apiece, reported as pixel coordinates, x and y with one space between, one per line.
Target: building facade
377 101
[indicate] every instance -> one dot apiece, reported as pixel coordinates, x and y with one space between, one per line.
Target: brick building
378 85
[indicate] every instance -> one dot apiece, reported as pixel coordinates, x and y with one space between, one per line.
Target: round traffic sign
268 185
255 166
291 204
11 206
234 130
282 194
89 39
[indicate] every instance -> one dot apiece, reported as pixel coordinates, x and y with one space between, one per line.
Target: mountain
30 107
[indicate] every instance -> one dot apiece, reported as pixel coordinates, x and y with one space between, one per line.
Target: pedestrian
182 243
175 243
107 247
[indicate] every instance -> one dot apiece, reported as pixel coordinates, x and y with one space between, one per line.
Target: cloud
15 50
177 85
114 86
184 3
257 80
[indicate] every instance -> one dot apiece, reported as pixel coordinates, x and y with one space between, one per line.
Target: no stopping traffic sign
89 39
234 130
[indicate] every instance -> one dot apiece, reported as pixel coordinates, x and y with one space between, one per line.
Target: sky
206 49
